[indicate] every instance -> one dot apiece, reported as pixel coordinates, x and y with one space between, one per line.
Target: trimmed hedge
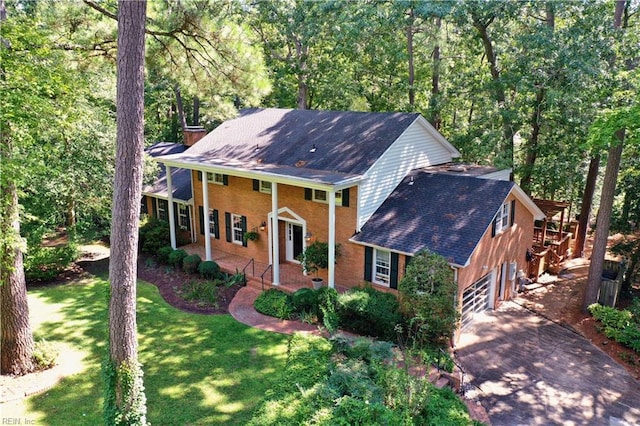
176 257
274 303
209 269
191 263
369 312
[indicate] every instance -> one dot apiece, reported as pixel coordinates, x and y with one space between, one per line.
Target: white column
205 210
274 234
172 223
332 239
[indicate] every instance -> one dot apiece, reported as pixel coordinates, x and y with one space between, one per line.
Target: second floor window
217 178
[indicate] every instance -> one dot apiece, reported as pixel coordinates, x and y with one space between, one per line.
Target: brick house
381 185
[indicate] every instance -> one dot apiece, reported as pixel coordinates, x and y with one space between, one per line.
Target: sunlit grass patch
199 369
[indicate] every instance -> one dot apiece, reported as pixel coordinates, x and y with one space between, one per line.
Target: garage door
475 299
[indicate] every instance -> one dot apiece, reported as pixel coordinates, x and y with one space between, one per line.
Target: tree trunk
585 209
303 88
434 101
603 221
196 111
505 150
532 143
16 348
181 118
126 395
412 77
16 339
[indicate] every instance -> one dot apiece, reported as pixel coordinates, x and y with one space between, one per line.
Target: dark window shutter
513 213
154 207
227 226
201 213
345 197
200 176
256 185
216 225
368 263
143 205
308 194
393 279
243 224
493 227
225 179
176 218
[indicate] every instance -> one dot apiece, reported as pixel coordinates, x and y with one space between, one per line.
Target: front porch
258 275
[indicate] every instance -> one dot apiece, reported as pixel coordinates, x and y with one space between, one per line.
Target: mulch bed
169 282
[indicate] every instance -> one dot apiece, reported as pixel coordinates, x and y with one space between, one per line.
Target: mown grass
199 369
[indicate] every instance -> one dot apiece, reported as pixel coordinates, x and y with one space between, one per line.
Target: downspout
332 239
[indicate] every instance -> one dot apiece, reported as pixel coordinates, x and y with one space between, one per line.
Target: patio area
258 275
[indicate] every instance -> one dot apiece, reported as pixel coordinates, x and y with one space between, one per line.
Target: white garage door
475 299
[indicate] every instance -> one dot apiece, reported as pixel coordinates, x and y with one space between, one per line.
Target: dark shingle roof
346 143
444 213
180 178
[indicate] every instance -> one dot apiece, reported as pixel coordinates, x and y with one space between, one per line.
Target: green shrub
209 269
163 253
620 325
354 411
203 292
305 300
153 235
274 303
176 257
428 294
45 354
370 312
190 263
46 263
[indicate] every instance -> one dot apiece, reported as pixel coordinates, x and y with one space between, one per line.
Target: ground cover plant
621 325
215 366
343 382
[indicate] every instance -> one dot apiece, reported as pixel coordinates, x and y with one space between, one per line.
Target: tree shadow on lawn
199 369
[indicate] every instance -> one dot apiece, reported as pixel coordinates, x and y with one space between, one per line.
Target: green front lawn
199 369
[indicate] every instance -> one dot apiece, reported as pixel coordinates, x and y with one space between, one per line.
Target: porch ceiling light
313 148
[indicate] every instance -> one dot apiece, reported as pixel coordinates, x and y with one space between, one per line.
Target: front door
294 241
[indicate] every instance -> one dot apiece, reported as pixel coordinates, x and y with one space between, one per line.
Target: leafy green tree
428 295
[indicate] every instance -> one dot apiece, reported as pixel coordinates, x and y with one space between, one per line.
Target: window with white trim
322 196
161 210
502 218
236 229
217 178
183 216
265 187
212 223
381 267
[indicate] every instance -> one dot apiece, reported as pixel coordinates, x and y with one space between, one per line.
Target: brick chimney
192 134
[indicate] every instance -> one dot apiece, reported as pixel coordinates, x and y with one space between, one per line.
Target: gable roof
447 214
326 146
180 178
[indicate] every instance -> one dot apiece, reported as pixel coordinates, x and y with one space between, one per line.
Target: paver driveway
526 370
